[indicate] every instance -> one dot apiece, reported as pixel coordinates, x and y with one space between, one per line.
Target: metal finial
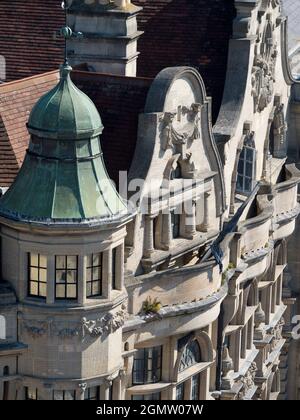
66 31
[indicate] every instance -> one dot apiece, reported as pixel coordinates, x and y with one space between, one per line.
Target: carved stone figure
263 72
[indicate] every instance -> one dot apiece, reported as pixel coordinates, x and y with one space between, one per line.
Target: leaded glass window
191 356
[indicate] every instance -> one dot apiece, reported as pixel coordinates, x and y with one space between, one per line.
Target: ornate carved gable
263 71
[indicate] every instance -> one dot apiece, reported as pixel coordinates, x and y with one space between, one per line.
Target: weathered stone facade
197 291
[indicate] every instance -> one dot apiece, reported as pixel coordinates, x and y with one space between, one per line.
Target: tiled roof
16 101
187 32
27 36
119 101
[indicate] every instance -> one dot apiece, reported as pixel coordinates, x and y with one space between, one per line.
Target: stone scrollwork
171 137
105 325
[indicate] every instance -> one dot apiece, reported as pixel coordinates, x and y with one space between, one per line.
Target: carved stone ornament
263 72
105 325
36 329
173 138
248 380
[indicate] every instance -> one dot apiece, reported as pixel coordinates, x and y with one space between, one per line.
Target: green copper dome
63 179
65 112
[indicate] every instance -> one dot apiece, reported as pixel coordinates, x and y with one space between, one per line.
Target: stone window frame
145 365
94 280
201 369
245 161
40 268
66 269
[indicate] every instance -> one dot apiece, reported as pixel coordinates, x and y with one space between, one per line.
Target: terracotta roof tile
119 101
189 33
16 101
27 36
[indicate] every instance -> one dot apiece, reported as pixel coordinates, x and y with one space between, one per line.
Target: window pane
147 366
96 259
89 260
88 274
249 170
248 184
33 288
43 276
96 273
89 289
43 261
34 274
241 167
72 262
58 395
69 395
180 392
71 291
249 154
195 387
43 289
71 276
60 276
60 261
97 288
34 259
60 291
240 183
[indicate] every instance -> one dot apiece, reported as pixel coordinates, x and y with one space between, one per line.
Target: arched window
246 166
191 356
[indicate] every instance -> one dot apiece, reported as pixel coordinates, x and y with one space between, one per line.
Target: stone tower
62 232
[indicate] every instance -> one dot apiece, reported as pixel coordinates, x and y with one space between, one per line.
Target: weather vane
66 31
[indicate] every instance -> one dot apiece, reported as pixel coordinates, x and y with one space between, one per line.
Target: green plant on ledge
231 266
151 306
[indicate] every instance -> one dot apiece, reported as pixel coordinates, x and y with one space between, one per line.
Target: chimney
110 35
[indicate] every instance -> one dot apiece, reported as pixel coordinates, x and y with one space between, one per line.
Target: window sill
147 389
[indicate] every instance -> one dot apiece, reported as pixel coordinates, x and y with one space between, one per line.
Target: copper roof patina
63 178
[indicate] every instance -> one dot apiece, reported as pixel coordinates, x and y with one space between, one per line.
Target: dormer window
37 272
66 277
